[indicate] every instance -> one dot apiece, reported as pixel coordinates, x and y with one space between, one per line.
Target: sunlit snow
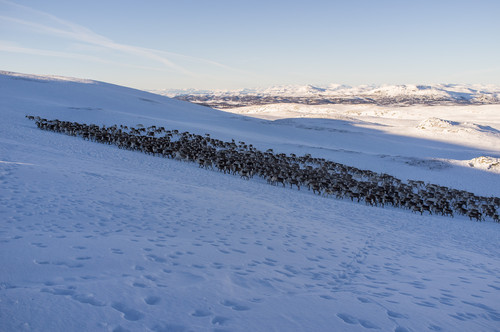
95 238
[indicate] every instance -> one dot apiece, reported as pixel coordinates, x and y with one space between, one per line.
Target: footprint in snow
58 291
347 318
235 306
394 314
139 285
401 329
87 299
201 313
219 320
83 258
152 300
68 264
353 320
39 244
128 313
156 259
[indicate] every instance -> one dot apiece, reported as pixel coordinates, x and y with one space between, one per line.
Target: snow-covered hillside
95 238
468 126
436 94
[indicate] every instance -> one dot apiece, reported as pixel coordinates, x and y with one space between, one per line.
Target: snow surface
94 238
462 128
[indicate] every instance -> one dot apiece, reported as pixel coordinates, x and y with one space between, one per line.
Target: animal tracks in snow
145 243
394 314
71 292
348 319
234 305
128 313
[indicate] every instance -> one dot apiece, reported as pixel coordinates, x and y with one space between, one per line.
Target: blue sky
234 44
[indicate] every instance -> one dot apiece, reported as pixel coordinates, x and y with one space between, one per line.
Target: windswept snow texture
94 238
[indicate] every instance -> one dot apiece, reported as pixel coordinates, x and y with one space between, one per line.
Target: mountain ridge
400 95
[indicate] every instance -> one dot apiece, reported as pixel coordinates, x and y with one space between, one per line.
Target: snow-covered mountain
97 238
437 94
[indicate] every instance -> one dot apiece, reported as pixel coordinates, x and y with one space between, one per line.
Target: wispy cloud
6 46
77 33
9 47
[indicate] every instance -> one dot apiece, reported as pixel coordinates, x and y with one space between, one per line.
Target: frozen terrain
401 95
475 126
94 238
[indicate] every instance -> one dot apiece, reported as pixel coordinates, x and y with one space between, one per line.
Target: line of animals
322 176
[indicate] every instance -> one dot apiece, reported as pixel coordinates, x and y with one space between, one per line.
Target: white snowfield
475 126
95 238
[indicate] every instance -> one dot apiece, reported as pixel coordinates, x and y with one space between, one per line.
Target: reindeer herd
322 176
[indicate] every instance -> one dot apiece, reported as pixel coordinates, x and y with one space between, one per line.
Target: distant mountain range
400 95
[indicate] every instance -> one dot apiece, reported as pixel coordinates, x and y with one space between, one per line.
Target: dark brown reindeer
323 177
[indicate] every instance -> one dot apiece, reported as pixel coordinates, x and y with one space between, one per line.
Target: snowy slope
94 238
475 126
